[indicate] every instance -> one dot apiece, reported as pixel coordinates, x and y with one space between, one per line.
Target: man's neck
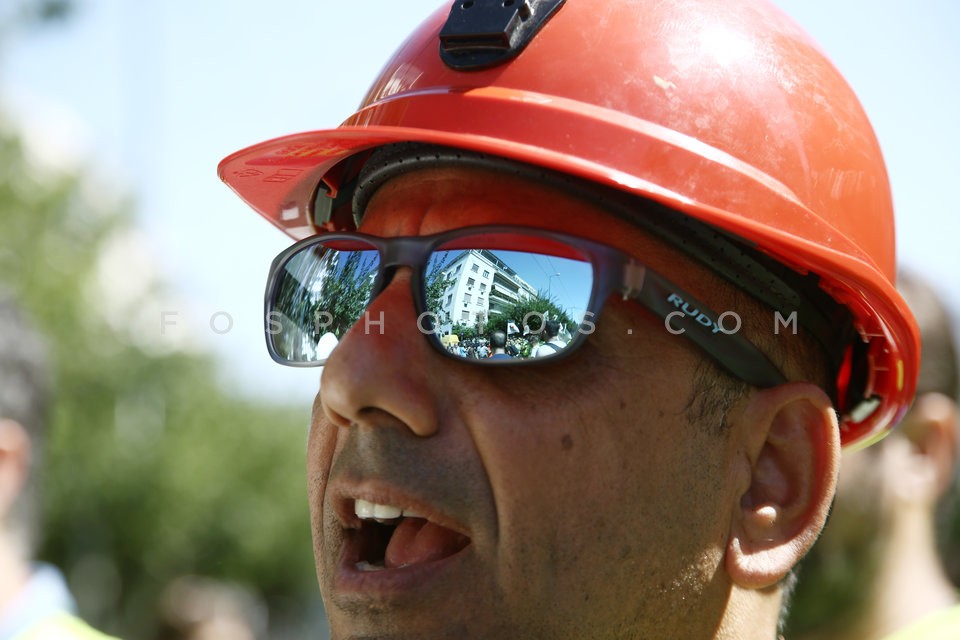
14 572
911 583
752 614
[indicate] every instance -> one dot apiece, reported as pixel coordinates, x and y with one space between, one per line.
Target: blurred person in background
35 603
879 566
196 608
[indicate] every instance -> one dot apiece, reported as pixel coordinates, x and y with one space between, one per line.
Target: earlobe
792 445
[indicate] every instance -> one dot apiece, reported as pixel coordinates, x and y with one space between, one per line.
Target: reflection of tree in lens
345 291
535 309
294 302
464 331
436 282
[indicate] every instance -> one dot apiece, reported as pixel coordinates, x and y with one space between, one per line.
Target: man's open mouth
390 537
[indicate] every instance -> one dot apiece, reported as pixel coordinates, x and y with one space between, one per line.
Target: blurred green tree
151 470
20 15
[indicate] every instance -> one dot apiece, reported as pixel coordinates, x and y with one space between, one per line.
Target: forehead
436 199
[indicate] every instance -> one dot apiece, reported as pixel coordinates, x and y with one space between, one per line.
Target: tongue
416 540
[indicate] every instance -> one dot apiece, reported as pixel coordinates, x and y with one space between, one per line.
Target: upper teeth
372 511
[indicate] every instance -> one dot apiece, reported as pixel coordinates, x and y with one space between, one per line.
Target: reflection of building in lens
482 286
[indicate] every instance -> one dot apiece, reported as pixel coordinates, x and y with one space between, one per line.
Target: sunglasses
490 295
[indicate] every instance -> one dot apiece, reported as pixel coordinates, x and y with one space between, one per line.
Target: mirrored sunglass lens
501 304
319 293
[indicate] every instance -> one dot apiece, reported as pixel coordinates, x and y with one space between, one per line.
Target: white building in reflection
483 287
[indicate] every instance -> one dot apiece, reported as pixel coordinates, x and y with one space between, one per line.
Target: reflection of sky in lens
569 288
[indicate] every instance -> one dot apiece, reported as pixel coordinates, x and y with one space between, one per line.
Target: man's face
571 499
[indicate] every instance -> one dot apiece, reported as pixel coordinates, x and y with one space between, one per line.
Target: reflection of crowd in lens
498 346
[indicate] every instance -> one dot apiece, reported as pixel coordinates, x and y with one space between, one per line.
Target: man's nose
383 367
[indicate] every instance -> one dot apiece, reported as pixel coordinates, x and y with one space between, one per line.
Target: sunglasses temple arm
719 337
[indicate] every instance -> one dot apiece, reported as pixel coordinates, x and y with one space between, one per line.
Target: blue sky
152 94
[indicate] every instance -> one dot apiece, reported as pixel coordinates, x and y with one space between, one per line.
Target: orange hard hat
723 110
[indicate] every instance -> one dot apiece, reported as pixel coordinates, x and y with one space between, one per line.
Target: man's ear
791 445
14 462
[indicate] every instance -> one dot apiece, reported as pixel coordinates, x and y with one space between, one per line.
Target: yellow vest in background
63 626
942 625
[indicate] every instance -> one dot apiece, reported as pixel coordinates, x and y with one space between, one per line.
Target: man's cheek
322 444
